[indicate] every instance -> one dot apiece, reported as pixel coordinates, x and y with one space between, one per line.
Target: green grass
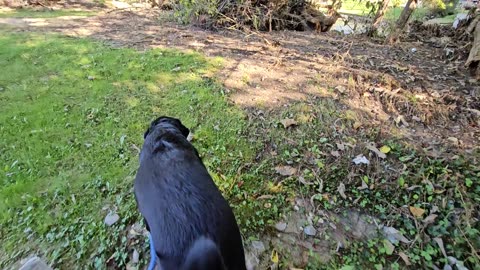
67 144
31 13
393 13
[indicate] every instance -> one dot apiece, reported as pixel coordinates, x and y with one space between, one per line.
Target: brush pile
263 15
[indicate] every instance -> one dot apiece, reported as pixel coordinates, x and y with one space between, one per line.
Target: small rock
447 267
460 17
251 261
111 218
190 137
453 140
360 159
288 122
258 246
285 170
281 226
451 260
35 263
341 89
416 118
135 256
310 230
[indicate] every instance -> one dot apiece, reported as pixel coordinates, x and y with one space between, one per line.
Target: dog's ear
178 124
170 120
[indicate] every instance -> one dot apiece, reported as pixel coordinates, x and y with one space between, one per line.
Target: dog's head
168 123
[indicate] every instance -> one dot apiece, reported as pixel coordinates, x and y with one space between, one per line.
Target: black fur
192 225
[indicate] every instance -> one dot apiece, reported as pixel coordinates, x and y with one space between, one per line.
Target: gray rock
135 256
451 260
251 261
35 263
310 230
281 226
258 246
111 218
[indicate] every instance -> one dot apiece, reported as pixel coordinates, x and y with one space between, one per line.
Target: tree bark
402 21
378 17
474 56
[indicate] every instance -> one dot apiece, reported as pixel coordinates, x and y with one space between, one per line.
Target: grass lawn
392 14
31 13
71 113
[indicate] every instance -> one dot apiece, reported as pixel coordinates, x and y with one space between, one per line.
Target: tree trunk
378 17
474 56
402 21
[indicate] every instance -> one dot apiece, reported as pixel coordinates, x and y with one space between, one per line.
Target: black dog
191 224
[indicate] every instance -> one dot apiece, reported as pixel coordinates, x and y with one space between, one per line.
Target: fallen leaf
341 190
417 212
393 235
439 241
357 125
340 88
360 159
287 122
364 186
274 257
340 146
430 219
285 170
404 258
389 247
265 197
302 180
385 149
401 120
335 153
371 147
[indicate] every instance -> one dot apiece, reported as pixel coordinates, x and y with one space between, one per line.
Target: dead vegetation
266 15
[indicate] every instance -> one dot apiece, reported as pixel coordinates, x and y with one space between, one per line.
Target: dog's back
192 225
